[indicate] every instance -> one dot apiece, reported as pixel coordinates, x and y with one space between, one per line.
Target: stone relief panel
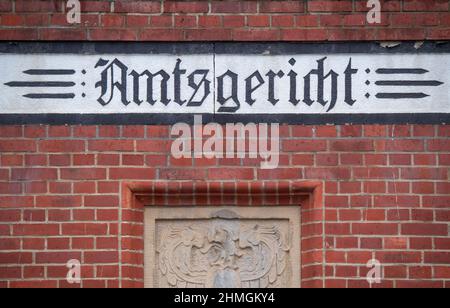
222 248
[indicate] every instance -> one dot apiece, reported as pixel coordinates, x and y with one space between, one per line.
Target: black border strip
272 48
167 119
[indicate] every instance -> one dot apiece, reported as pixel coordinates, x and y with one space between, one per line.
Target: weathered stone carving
223 254
222 250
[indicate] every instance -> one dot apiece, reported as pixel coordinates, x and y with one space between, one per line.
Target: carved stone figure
223 252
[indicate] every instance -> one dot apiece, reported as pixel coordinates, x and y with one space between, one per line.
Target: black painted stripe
50 95
272 48
49 72
409 83
169 119
416 71
401 95
44 84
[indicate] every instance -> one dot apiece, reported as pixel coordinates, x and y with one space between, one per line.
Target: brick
424 173
83 173
15 257
254 34
60 188
182 174
61 146
420 243
330 6
5 6
84 229
57 257
62 34
326 131
101 201
17 145
109 131
304 34
16 201
33 272
9 215
11 131
207 34
437 257
327 173
185 21
44 229
85 131
282 7
59 160
371 243
34 284
327 159
132 173
442 272
11 160
101 257
258 21
142 7
227 173
304 145
387 257
137 21
425 159
36 160
424 5
352 145
111 145
153 146
436 201
113 34
185 7
33 243
34 215
396 201
10 188
10 244
375 228
58 201
161 35
133 131
108 159
58 243
283 21
161 21
18 34
38 6
400 145
438 145
234 7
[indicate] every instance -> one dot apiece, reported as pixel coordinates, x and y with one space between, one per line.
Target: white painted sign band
225 84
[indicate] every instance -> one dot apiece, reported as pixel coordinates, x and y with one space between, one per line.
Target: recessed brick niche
288 214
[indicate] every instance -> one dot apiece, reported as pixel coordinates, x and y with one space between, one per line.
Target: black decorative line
400 95
417 71
40 84
414 83
167 119
50 96
49 72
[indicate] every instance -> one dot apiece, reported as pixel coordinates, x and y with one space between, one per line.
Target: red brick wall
312 20
386 188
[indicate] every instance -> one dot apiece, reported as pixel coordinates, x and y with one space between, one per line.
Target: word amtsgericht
137 87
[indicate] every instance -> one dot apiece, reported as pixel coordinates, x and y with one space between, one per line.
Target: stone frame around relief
201 215
137 195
